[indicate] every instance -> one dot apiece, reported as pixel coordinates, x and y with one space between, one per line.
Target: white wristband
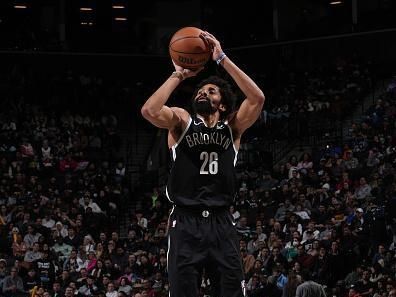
178 74
221 58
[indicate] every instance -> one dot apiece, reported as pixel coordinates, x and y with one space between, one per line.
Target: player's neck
209 120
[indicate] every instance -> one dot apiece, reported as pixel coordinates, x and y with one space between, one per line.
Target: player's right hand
187 72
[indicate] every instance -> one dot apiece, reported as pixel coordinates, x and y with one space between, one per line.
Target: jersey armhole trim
233 144
173 148
183 133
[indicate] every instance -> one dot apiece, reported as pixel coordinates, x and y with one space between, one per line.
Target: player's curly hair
228 97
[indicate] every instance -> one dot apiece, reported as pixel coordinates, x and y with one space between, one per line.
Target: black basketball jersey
203 167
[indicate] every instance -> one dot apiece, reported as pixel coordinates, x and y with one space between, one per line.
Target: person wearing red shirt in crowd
67 164
26 149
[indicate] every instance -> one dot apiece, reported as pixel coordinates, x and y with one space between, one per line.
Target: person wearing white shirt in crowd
111 292
141 220
363 190
311 227
31 237
120 169
86 202
73 263
392 246
48 222
235 213
302 213
61 248
60 230
305 163
293 221
88 244
309 288
261 236
33 254
283 208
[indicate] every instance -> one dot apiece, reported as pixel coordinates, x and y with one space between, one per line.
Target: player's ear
222 107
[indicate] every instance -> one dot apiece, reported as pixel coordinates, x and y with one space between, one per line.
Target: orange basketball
188 50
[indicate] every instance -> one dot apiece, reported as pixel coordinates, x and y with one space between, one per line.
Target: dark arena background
83 210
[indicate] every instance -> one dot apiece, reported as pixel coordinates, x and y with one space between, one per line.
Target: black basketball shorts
204 240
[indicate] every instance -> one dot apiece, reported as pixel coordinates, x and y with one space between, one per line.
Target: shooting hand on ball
186 73
214 43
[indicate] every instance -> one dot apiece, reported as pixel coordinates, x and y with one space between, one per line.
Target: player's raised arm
155 110
251 107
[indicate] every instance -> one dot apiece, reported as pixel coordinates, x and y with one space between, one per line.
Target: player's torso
203 169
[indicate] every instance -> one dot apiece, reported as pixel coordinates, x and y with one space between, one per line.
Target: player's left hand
216 46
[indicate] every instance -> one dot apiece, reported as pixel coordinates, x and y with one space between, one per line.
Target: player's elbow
148 112
145 111
259 98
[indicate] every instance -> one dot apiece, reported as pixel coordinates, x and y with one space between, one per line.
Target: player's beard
203 107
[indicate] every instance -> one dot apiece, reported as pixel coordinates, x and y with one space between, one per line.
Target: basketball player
201 185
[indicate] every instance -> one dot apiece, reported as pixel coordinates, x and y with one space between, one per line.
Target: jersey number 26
210 163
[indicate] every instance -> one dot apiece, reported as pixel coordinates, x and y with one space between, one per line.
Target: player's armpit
247 114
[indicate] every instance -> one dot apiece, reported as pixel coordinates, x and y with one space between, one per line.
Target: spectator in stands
309 288
293 281
350 162
247 261
363 190
141 220
33 253
285 207
124 286
60 230
72 238
235 213
111 292
267 182
61 249
278 279
363 285
89 288
31 280
31 237
68 164
379 255
242 227
292 167
26 149
305 163
13 284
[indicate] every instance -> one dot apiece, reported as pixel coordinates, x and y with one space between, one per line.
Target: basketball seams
187 37
187 53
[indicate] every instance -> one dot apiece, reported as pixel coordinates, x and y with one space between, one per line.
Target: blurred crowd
326 217
309 101
61 187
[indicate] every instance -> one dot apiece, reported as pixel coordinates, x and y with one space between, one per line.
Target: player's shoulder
181 112
184 116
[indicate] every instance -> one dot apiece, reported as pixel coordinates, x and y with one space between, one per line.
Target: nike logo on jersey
199 123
